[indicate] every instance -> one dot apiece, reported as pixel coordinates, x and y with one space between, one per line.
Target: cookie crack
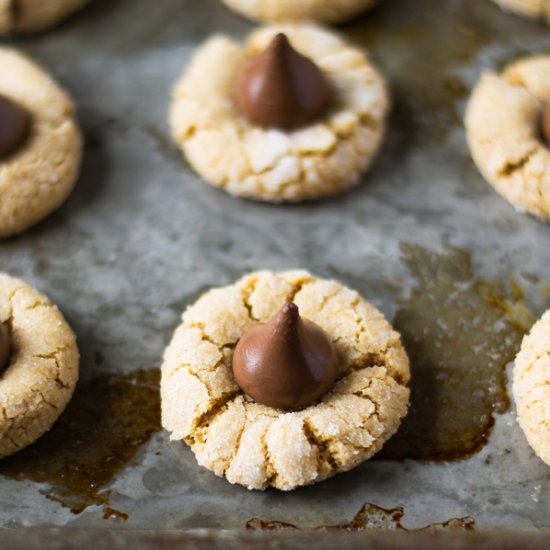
325 454
54 356
246 294
298 287
205 419
270 470
511 167
227 464
204 336
44 400
362 427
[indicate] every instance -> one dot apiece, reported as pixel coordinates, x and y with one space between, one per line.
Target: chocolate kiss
14 127
5 347
281 88
286 363
545 124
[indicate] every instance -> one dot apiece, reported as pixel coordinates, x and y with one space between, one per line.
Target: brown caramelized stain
103 427
460 333
510 301
109 513
370 516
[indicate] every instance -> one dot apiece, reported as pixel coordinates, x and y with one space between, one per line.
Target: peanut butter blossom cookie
532 387
294 114
40 144
322 11
38 364
508 130
283 379
539 9
23 16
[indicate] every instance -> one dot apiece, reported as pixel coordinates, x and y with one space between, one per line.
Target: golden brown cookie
321 159
259 446
503 125
40 174
532 387
42 368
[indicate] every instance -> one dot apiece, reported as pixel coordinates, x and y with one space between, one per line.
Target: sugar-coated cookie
321 11
259 446
322 158
531 387
25 16
40 144
503 124
38 364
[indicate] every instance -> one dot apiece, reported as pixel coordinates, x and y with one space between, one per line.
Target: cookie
539 9
320 159
503 123
41 371
26 16
259 446
40 173
531 387
322 11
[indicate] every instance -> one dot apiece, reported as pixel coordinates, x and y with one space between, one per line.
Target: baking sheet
142 236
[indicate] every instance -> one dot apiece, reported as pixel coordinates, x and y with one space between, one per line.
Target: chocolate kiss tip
281 88
287 362
281 47
280 42
290 309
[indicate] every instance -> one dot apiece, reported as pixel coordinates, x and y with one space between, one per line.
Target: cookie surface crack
219 406
513 166
325 455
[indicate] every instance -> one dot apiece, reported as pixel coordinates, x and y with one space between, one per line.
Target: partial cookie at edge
321 11
26 16
37 179
43 370
531 387
258 446
503 131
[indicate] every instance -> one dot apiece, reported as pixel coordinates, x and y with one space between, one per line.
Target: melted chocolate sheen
286 363
5 347
14 127
545 124
281 88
